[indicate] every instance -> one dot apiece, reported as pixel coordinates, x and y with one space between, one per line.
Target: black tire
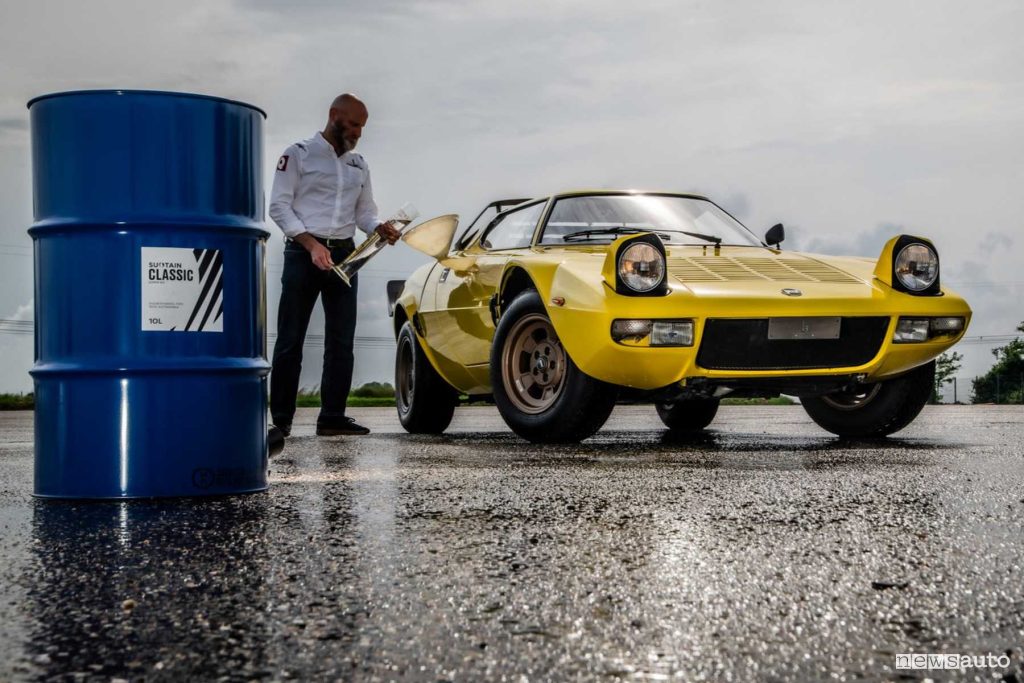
425 401
688 416
877 410
571 405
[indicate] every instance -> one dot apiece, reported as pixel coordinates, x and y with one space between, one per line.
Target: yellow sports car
559 306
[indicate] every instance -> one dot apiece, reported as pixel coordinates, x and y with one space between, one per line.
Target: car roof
586 193
507 205
503 205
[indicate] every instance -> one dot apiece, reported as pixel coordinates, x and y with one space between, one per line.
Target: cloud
805 114
13 129
738 204
24 312
865 243
994 242
202 46
14 123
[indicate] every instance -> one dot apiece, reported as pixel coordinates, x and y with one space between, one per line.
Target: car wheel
690 415
539 391
425 401
874 410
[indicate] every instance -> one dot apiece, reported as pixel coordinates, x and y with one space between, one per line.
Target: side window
475 227
513 230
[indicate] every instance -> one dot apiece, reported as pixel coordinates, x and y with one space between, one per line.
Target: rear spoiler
395 288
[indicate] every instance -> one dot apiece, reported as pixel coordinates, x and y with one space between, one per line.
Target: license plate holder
780 329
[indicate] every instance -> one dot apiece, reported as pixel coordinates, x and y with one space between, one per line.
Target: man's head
345 121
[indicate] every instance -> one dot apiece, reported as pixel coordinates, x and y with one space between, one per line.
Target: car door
464 326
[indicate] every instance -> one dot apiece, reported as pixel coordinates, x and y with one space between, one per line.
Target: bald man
321 194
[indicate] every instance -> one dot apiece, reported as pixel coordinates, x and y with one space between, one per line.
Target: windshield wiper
623 230
586 234
701 236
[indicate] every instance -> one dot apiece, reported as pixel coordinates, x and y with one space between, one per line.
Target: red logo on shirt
282 163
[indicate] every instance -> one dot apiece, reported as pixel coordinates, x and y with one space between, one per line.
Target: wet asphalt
763 550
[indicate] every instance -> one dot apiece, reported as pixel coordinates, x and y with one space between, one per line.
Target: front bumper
585 332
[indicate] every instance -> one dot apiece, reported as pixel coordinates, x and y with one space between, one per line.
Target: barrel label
182 290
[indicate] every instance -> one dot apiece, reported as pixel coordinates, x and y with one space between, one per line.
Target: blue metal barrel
150 300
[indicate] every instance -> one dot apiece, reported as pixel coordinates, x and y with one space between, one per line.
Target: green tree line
1004 382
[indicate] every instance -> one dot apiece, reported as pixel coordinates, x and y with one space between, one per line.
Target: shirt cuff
292 228
368 226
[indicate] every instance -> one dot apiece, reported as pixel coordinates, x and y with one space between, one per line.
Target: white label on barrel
182 290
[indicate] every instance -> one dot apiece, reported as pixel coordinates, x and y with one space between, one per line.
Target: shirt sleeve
282 193
366 209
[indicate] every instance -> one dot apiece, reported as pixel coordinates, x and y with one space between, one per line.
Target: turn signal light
653 332
917 330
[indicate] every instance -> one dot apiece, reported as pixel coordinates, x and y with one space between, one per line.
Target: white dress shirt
319 192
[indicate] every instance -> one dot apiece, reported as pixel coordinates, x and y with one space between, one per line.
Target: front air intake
743 344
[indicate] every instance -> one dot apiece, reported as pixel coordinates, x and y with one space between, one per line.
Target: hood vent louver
755 268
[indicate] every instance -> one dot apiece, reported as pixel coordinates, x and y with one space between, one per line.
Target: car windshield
677 220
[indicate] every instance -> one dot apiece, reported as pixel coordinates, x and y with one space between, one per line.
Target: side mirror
775 235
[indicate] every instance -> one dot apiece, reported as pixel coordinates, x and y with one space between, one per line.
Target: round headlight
917 267
641 267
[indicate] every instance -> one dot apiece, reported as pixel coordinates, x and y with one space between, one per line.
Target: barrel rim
130 91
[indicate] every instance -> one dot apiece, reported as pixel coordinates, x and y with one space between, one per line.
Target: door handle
444 274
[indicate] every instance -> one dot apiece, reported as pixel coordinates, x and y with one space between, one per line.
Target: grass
370 402
17 401
306 399
777 401
372 395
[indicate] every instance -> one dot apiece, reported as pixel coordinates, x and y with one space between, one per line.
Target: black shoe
275 442
339 426
286 429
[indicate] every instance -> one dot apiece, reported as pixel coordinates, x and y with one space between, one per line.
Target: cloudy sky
848 122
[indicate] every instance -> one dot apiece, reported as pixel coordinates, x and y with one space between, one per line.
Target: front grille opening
743 344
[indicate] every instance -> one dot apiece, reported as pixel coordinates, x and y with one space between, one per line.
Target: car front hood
757 272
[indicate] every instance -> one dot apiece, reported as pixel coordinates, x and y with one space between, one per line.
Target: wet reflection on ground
476 556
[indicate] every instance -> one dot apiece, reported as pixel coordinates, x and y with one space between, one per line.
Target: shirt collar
320 139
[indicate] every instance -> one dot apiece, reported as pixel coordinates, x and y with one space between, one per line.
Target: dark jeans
301 284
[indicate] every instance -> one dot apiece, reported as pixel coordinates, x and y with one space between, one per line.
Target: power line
989 339
11 326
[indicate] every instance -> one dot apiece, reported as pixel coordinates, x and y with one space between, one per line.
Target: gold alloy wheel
852 400
406 382
533 364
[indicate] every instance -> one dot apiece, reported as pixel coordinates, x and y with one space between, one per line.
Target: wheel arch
401 317
514 281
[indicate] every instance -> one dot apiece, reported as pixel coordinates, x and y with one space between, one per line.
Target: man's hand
388 232
320 254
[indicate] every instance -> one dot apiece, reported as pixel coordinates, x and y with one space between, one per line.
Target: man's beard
339 136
